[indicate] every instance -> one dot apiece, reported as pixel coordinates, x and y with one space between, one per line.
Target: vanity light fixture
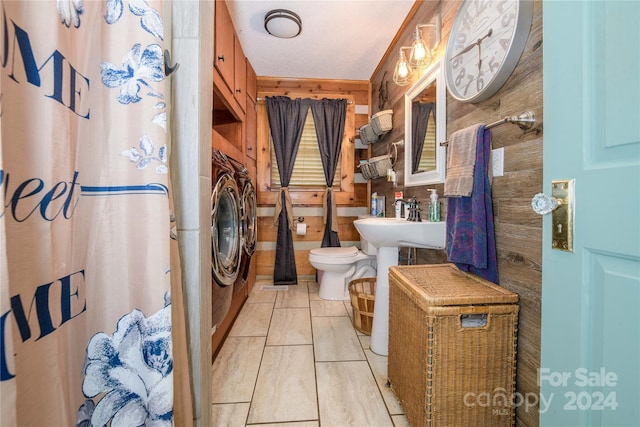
421 54
282 23
403 73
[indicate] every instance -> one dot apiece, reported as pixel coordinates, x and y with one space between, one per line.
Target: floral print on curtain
133 368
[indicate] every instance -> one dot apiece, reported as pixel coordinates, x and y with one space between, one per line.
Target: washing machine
226 236
248 220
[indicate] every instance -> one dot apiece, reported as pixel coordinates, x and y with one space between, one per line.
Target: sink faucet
414 208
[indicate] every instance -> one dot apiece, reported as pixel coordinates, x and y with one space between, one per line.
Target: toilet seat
338 255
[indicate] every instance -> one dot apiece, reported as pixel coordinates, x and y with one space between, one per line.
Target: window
307 171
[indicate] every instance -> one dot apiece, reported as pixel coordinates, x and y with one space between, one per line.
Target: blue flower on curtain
161 118
138 69
114 11
150 19
143 157
131 373
70 11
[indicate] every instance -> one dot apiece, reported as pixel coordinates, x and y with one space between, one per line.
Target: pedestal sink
387 235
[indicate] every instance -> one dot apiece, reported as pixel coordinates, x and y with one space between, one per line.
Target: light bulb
403 70
420 56
403 73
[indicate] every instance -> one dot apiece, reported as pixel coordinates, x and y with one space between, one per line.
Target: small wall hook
168 68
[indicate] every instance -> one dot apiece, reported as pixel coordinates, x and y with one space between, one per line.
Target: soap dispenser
434 206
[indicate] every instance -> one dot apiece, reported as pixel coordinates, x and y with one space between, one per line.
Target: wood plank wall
308 204
518 229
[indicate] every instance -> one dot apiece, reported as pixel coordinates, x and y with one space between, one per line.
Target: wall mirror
425 128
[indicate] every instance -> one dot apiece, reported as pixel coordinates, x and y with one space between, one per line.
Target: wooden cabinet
240 75
230 64
251 118
251 130
252 83
224 44
235 91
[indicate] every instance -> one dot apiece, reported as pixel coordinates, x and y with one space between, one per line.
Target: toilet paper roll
301 229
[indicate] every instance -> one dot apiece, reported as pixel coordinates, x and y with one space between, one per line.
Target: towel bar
524 120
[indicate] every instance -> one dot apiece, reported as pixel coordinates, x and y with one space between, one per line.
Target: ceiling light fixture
282 23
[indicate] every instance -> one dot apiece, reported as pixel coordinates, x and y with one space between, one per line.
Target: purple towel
471 242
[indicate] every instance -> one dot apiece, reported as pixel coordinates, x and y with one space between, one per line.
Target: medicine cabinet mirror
425 128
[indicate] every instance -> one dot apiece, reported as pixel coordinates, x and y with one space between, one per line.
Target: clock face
485 43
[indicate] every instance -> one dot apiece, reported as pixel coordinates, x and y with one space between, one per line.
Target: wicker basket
369 170
382 122
367 135
376 167
452 340
363 295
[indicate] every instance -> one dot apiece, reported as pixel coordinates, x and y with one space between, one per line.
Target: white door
590 361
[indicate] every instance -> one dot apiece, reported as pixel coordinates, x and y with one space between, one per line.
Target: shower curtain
92 327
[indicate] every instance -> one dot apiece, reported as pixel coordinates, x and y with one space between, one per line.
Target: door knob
543 204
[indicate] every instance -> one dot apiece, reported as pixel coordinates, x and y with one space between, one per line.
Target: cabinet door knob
238 90
221 58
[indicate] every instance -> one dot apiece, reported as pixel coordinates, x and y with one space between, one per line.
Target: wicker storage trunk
452 347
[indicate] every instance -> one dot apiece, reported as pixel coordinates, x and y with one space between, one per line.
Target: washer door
225 231
249 212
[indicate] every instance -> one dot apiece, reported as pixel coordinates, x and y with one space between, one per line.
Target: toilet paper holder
301 227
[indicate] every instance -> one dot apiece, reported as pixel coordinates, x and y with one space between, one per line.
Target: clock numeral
479 83
467 19
466 88
505 43
461 40
456 62
493 64
460 76
507 19
481 6
500 6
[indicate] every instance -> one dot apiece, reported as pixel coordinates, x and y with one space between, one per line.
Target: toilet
337 266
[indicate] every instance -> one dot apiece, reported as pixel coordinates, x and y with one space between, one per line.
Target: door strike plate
562 218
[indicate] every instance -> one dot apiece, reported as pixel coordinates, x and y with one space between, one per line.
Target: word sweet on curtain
286 121
86 249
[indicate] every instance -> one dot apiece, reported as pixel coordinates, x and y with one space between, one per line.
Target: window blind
428 158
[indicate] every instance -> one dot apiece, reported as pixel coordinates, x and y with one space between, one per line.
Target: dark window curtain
329 116
286 121
419 119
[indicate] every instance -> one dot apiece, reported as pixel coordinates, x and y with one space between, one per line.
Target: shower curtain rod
348 100
525 121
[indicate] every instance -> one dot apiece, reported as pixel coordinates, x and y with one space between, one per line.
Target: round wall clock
485 44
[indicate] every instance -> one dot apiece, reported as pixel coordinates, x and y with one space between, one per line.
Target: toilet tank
365 246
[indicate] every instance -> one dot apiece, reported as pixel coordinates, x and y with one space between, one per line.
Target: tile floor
294 360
